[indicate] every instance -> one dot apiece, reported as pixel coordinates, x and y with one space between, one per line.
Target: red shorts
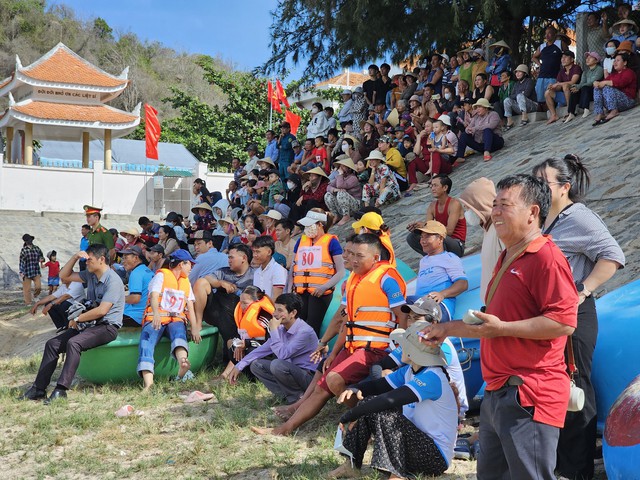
352 367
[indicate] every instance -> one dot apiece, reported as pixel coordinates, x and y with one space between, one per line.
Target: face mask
472 219
610 50
311 231
447 96
291 185
345 147
314 110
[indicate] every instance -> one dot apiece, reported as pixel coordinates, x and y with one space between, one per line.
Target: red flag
294 121
282 95
273 97
151 131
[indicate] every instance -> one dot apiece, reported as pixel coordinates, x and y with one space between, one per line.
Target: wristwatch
322 344
582 290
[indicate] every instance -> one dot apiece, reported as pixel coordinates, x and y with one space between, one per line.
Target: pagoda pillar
107 149
9 147
85 149
28 144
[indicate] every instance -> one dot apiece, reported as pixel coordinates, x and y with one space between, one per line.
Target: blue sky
237 31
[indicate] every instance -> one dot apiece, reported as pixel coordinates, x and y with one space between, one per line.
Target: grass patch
82 438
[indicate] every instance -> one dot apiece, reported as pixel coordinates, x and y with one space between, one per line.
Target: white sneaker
570 117
586 113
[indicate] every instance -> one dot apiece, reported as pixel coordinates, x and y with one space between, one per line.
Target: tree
334 34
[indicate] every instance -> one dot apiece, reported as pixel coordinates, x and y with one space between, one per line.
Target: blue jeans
149 338
282 171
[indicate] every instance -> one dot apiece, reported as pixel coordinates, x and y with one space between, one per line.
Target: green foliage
102 28
338 34
215 134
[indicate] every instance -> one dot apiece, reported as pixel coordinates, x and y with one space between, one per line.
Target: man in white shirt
58 302
269 276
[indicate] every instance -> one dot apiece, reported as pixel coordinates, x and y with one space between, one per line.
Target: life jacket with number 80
172 302
370 318
313 265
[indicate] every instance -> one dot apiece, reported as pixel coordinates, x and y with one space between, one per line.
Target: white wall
42 189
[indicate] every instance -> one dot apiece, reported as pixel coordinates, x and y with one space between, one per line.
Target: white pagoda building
61 96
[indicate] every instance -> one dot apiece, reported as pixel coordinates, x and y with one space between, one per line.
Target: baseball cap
412 347
312 218
433 226
426 306
276 215
182 255
157 248
370 220
133 250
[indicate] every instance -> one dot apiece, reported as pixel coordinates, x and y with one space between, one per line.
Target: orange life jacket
306 279
182 290
385 239
370 319
248 322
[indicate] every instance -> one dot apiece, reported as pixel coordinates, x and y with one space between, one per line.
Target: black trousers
58 314
219 313
580 99
73 343
314 309
577 443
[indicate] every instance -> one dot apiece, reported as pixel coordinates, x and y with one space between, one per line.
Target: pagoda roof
53 120
63 68
351 79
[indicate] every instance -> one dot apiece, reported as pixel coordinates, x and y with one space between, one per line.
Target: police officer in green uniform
98 233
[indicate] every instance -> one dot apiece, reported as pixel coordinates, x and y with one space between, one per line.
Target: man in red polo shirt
524 331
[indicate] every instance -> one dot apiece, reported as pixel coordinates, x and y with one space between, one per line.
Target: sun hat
426 306
376 155
312 218
347 162
131 231
501 43
201 235
274 214
626 46
414 349
465 50
358 90
444 56
483 102
446 119
595 55
267 160
346 91
414 98
479 51
370 220
435 227
204 206
317 171
627 22
182 255
384 139
522 68
370 122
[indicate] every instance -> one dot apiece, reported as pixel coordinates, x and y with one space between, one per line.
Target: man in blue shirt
285 146
208 258
272 146
84 244
133 261
291 341
440 275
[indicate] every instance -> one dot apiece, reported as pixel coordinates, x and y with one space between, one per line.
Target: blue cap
182 255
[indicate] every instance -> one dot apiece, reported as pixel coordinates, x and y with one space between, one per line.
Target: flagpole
271 110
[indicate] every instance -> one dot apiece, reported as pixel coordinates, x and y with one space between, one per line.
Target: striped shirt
584 239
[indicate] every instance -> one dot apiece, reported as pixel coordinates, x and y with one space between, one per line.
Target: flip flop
199 397
602 121
524 122
186 377
408 194
128 410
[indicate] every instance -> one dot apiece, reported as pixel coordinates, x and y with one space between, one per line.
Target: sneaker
462 450
586 113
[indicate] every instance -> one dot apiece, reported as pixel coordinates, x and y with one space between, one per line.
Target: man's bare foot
344 471
284 412
552 119
185 365
147 388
